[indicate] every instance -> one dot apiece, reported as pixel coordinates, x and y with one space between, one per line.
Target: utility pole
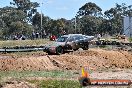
43 31
41 17
41 20
75 24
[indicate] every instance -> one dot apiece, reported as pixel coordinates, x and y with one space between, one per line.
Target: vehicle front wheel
49 53
59 50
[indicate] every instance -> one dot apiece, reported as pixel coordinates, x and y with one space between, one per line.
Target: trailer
127 21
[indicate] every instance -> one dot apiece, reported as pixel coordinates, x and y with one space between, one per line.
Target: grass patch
56 83
25 74
57 78
130 39
59 84
13 43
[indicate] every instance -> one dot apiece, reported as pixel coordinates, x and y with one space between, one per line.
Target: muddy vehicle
69 42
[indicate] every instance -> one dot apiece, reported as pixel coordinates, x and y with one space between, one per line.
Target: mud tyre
59 50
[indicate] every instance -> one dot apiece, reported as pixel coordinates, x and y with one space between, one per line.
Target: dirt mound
93 58
26 63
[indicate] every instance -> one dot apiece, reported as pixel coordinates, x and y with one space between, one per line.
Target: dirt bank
94 58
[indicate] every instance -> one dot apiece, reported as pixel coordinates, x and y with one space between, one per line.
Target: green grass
12 43
59 84
56 83
57 79
130 39
46 74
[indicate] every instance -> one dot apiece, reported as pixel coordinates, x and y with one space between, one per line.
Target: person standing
98 37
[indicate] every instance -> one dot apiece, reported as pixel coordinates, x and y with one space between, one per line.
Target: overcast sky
68 8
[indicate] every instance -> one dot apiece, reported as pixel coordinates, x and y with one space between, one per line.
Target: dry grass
12 43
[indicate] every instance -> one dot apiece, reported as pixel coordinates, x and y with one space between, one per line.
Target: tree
89 18
57 26
90 9
27 7
116 15
9 14
46 22
13 21
90 25
20 28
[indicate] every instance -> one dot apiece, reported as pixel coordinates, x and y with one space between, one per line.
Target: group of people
36 35
19 37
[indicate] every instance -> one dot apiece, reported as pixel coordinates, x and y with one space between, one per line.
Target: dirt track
94 58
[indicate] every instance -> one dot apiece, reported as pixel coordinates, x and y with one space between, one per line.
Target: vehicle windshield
61 39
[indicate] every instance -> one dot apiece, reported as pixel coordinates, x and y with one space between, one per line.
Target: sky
67 9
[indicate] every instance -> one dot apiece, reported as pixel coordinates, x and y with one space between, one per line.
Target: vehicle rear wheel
59 50
75 49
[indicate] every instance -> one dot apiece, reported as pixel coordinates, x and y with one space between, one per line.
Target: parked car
69 42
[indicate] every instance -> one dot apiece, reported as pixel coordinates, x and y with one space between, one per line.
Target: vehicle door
80 40
71 42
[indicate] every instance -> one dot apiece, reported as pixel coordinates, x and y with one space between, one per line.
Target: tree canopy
22 17
90 9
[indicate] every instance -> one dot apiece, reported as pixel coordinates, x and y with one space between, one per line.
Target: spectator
33 35
22 37
15 37
124 37
52 37
37 35
98 36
